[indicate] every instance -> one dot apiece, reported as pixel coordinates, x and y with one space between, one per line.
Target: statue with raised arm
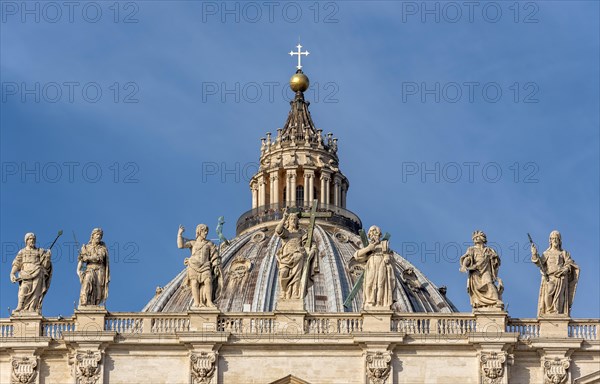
204 276
559 280
292 256
93 271
379 280
35 272
482 263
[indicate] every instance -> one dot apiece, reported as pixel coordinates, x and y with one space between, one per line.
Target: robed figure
204 275
559 277
35 272
482 263
93 271
379 280
294 260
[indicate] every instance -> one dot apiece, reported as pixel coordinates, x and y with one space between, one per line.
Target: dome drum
274 212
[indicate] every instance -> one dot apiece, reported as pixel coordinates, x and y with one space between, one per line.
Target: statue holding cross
297 258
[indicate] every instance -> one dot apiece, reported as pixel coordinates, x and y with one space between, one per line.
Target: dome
250 277
300 172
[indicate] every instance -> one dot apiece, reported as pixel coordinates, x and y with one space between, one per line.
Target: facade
302 294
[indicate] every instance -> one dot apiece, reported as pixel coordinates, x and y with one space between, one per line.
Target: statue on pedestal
204 275
559 277
379 280
293 258
483 284
93 271
35 272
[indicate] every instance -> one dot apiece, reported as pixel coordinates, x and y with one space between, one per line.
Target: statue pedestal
204 319
556 326
26 324
289 317
377 320
290 305
90 318
490 320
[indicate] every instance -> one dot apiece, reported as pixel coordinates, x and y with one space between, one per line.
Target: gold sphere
299 82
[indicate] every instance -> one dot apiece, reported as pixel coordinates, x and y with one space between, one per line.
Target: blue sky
145 115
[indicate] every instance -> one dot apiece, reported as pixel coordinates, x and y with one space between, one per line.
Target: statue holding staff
204 275
34 269
559 280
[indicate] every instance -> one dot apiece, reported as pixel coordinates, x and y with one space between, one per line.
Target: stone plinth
377 320
490 320
554 325
290 324
203 319
26 324
290 305
90 318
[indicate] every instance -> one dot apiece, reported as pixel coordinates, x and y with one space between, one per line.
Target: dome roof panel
251 285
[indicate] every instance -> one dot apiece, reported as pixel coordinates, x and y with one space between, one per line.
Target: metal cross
299 53
313 216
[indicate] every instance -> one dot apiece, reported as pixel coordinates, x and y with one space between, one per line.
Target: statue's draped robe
94 282
35 273
291 258
380 282
557 292
204 266
483 264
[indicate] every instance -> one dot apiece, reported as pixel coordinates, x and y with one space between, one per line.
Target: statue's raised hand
181 229
533 250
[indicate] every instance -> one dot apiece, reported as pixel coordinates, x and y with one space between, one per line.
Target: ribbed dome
251 284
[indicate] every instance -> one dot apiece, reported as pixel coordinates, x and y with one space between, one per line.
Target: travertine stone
90 319
378 367
24 370
203 319
559 277
556 370
204 274
380 280
35 272
482 263
87 367
26 324
202 367
377 320
490 320
290 323
555 358
93 271
554 325
493 367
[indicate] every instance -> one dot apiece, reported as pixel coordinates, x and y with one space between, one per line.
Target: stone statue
204 275
559 277
482 263
380 281
93 271
35 272
292 257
